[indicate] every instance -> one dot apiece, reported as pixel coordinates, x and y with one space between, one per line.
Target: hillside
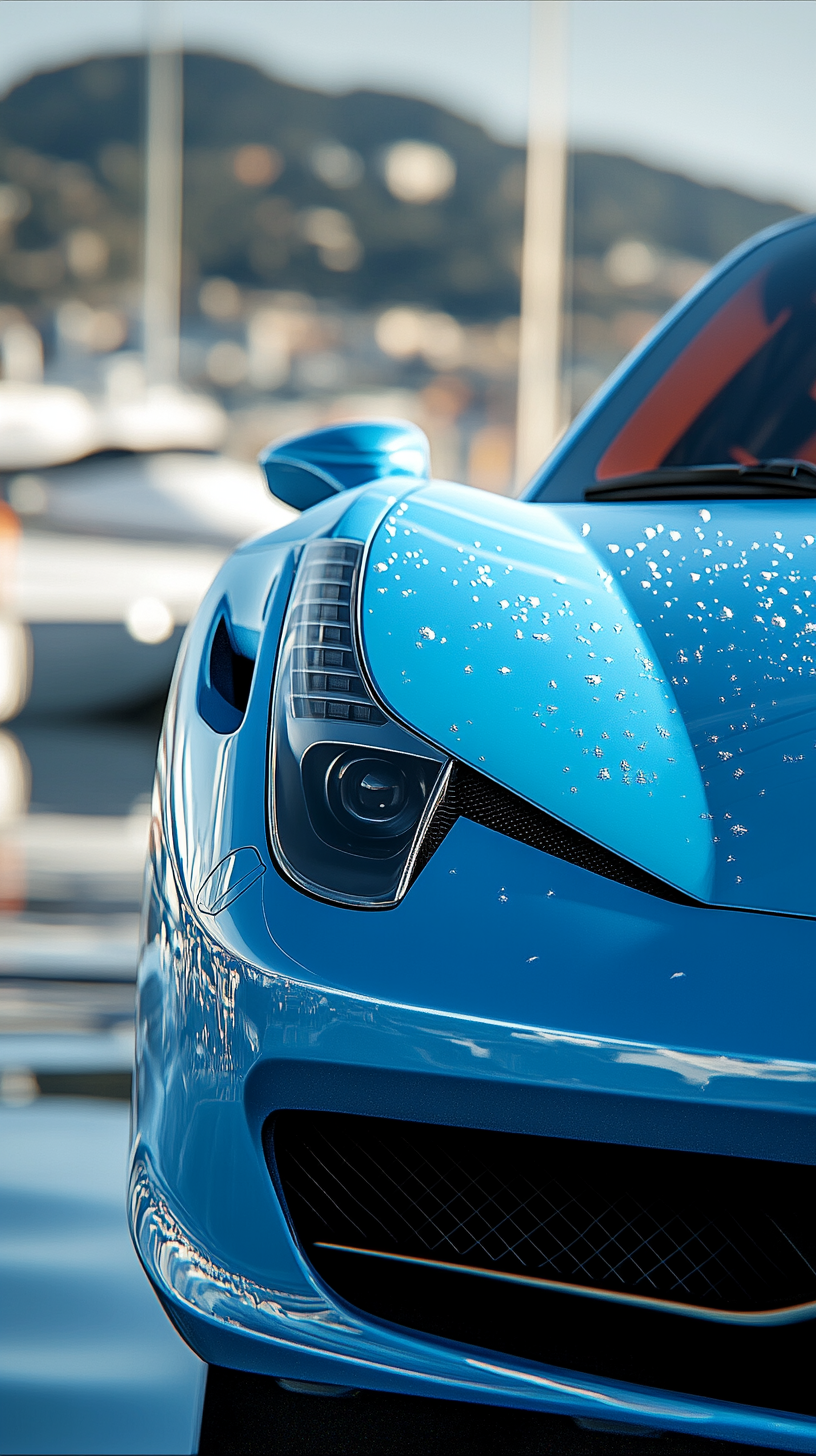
286 189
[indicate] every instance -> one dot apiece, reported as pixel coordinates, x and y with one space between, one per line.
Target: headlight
351 792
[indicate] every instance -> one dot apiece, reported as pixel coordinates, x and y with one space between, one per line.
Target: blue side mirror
304 469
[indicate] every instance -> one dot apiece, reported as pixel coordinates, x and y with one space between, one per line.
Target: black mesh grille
670 1226
448 1205
472 796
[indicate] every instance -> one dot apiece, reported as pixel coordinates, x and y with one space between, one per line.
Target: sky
719 89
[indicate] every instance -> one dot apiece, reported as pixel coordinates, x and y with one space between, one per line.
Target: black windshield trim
767 480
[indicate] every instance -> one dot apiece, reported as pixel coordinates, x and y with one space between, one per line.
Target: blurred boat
117 550
126 513
49 424
44 424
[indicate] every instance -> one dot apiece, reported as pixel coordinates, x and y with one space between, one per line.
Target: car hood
642 672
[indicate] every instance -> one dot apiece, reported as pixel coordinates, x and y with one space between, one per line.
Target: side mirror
302 470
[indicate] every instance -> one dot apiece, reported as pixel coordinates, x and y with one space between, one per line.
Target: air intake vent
472 796
626 1223
687 1271
226 678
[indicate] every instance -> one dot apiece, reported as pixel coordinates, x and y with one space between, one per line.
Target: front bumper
224 1041
301 1335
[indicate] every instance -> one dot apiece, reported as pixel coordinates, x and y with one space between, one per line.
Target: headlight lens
351 792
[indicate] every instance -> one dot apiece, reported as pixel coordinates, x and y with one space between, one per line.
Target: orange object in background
9 538
12 879
15 647
714 356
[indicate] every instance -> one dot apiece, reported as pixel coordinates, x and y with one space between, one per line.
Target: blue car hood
642 672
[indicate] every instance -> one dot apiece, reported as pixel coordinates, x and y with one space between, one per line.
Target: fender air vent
226 678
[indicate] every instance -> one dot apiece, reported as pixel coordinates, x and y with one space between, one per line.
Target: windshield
732 381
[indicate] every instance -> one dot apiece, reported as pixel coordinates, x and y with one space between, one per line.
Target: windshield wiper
768 480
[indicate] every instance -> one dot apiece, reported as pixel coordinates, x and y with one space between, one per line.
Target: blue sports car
477 1002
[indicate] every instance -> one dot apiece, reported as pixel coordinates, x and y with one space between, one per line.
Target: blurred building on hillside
341 253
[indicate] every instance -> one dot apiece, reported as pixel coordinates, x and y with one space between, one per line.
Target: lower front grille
417 1223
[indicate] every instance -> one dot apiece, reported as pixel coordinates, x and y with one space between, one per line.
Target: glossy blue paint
304 469
570 1004
555 915
494 629
550 647
743 670
508 989
209 1227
